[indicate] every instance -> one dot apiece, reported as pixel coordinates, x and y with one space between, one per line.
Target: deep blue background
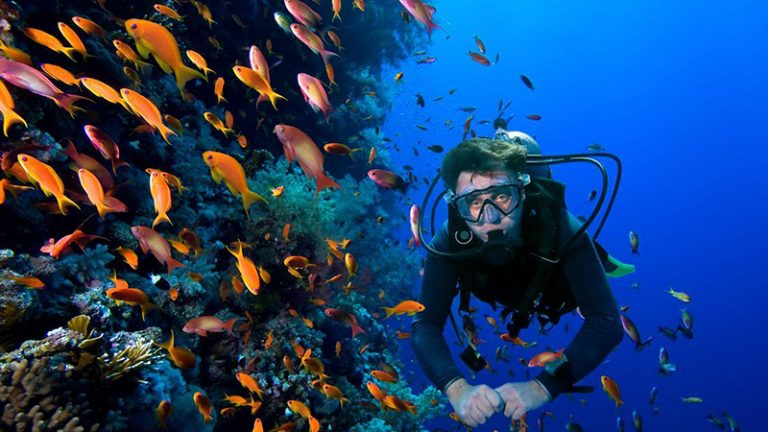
678 91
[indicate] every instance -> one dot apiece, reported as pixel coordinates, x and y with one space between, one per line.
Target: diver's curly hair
482 155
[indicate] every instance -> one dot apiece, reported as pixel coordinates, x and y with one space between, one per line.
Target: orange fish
129 256
191 239
336 6
169 12
203 405
247 270
258 62
302 410
28 281
225 167
339 149
612 389
6 185
152 38
43 176
346 318
268 340
15 54
125 52
203 325
313 42
49 41
173 294
303 13
181 357
384 376
218 89
151 241
62 245
421 12
333 392
276 192
409 307
198 60
104 91
217 124
351 264
314 94
204 12
133 297
249 383
162 412
7 106
375 391
298 145
402 335
89 26
144 108
479 58
480 45
31 79
161 196
74 40
397 404
82 160
60 74
256 81
371 155
541 359
94 191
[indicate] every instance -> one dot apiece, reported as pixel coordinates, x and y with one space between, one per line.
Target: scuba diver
510 241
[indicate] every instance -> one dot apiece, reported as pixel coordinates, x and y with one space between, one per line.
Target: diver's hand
522 397
473 404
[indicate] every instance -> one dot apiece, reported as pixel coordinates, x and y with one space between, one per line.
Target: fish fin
356 330
388 311
162 217
10 118
67 101
172 264
165 131
327 54
146 307
232 189
69 52
250 197
65 202
273 97
324 182
229 324
184 74
314 424
167 345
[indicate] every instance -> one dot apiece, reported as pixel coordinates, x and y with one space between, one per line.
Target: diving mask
491 204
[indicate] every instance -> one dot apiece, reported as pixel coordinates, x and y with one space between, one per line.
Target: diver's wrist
455 387
543 389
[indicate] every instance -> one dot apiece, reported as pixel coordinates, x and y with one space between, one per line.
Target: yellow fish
7 106
46 178
225 167
152 38
144 108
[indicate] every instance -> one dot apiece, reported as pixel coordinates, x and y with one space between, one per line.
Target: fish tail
229 324
184 74
162 217
67 101
10 118
70 52
273 97
314 424
172 264
146 307
327 54
430 27
65 202
103 210
336 15
165 131
325 182
356 330
250 197
388 311
117 163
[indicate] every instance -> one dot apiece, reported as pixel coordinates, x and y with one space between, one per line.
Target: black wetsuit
581 269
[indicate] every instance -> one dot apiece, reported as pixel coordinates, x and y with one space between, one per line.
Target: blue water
678 91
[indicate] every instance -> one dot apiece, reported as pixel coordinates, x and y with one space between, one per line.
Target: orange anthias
43 176
247 269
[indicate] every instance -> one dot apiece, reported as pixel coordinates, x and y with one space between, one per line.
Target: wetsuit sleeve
601 330
437 291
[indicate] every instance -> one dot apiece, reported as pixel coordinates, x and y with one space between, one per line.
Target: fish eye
133 26
210 157
24 158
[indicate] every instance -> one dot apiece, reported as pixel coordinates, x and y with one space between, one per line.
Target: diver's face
469 181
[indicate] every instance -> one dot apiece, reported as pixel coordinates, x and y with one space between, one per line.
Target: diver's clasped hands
476 404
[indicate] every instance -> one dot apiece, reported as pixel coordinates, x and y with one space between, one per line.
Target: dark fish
435 148
595 147
731 422
668 332
483 122
573 427
637 421
534 117
437 99
468 109
415 152
716 421
654 394
634 242
526 81
386 139
421 127
419 53
426 60
407 167
419 100
452 91
497 58
592 195
501 102
619 424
